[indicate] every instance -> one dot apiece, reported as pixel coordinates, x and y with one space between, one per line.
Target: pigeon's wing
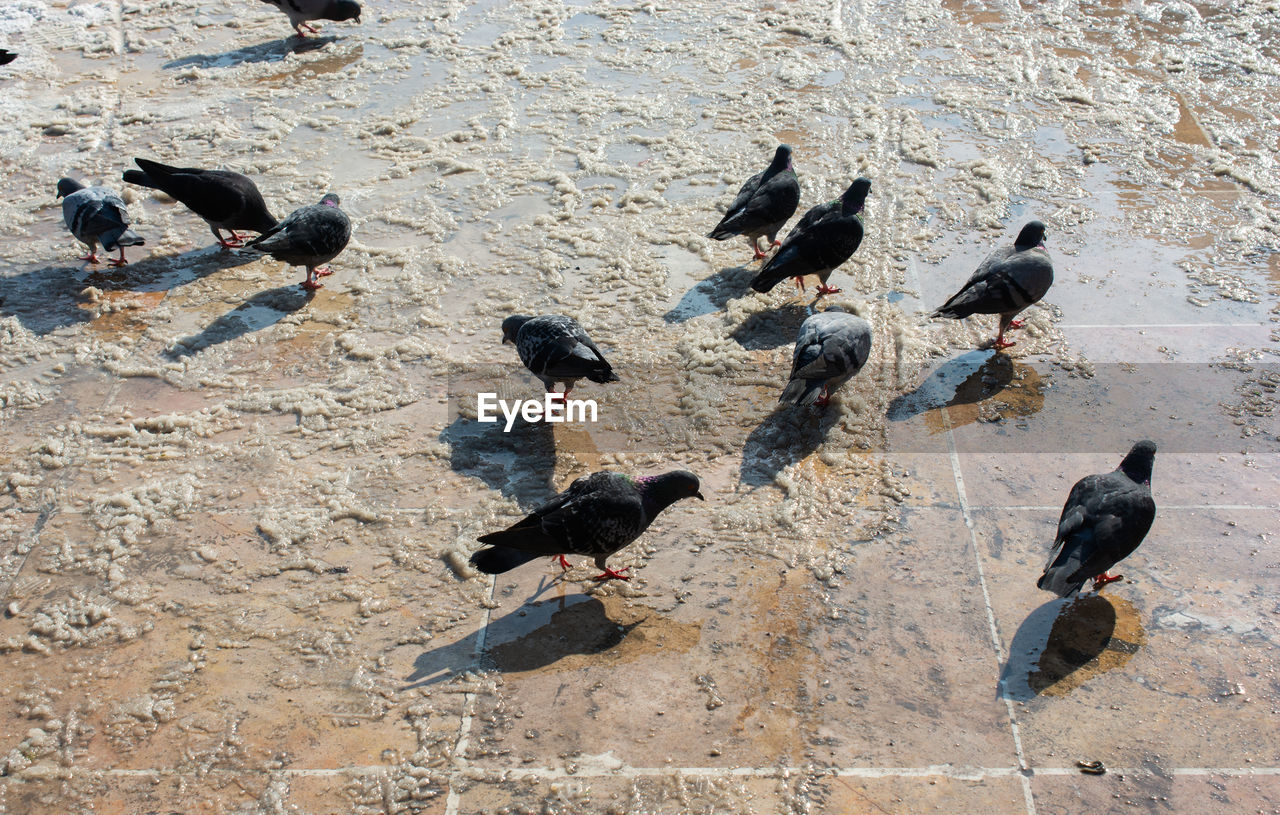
743 197
1007 281
828 241
1104 520
315 230
210 194
590 515
837 350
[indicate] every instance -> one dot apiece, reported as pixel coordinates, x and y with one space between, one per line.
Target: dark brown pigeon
556 349
1009 280
598 515
224 199
309 236
763 204
1104 520
825 237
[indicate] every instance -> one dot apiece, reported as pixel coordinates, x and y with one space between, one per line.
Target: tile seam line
457 759
992 628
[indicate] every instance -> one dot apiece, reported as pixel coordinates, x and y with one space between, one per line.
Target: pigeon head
781 158
331 200
664 490
855 198
66 186
344 10
511 326
1031 235
1137 465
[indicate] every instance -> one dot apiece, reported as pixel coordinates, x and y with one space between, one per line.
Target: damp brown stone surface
235 516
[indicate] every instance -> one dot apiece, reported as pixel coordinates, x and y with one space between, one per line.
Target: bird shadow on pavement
1059 646
264 309
274 51
965 380
787 436
529 638
765 330
52 297
520 464
712 294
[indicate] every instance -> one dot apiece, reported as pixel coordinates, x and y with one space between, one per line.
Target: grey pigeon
96 215
1009 280
224 199
825 237
309 236
831 347
556 349
300 11
7 56
598 515
763 204
1105 518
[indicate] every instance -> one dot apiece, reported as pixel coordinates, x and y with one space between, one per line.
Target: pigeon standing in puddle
301 11
831 347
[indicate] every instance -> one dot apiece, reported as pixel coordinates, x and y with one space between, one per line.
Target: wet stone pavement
235 516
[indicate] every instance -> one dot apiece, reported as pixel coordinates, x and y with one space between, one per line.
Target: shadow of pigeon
965 380
765 330
789 435
273 51
1064 643
711 295
569 626
520 464
263 309
49 298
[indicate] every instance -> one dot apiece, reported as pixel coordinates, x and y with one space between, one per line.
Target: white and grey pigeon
301 11
763 204
1009 280
97 215
555 348
831 347
598 515
309 236
1105 518
824 238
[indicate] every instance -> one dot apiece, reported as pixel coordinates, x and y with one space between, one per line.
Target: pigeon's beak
700 498
505 339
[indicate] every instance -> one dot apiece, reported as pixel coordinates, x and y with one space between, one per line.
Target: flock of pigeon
1105 518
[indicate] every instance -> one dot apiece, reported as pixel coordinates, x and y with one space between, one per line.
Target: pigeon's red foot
323 271
800 284
92 257
823 400
1104 578
756 254
118 262
823 288
564 564
1016 324
776 242
610 574
231 244
311 285
1002 343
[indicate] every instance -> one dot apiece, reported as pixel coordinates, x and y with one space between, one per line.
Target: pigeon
226 200
598 515
1009 280
96 215
831 347
300 11
825 237
556 349
309 236
1104 520
763 204
7 56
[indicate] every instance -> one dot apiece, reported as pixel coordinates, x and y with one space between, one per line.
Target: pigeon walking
825 237
224 199
1104 520
96 215
300 11
831 347
763 204
556 349
598 515
1009 280
309 236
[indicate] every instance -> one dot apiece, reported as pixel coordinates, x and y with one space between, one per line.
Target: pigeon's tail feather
956 311
764 283
118 238
499 559
603 375
1058 582
801 392
721 233
140 178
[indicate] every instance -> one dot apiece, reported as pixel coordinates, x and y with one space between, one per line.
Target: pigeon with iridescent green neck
598 515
